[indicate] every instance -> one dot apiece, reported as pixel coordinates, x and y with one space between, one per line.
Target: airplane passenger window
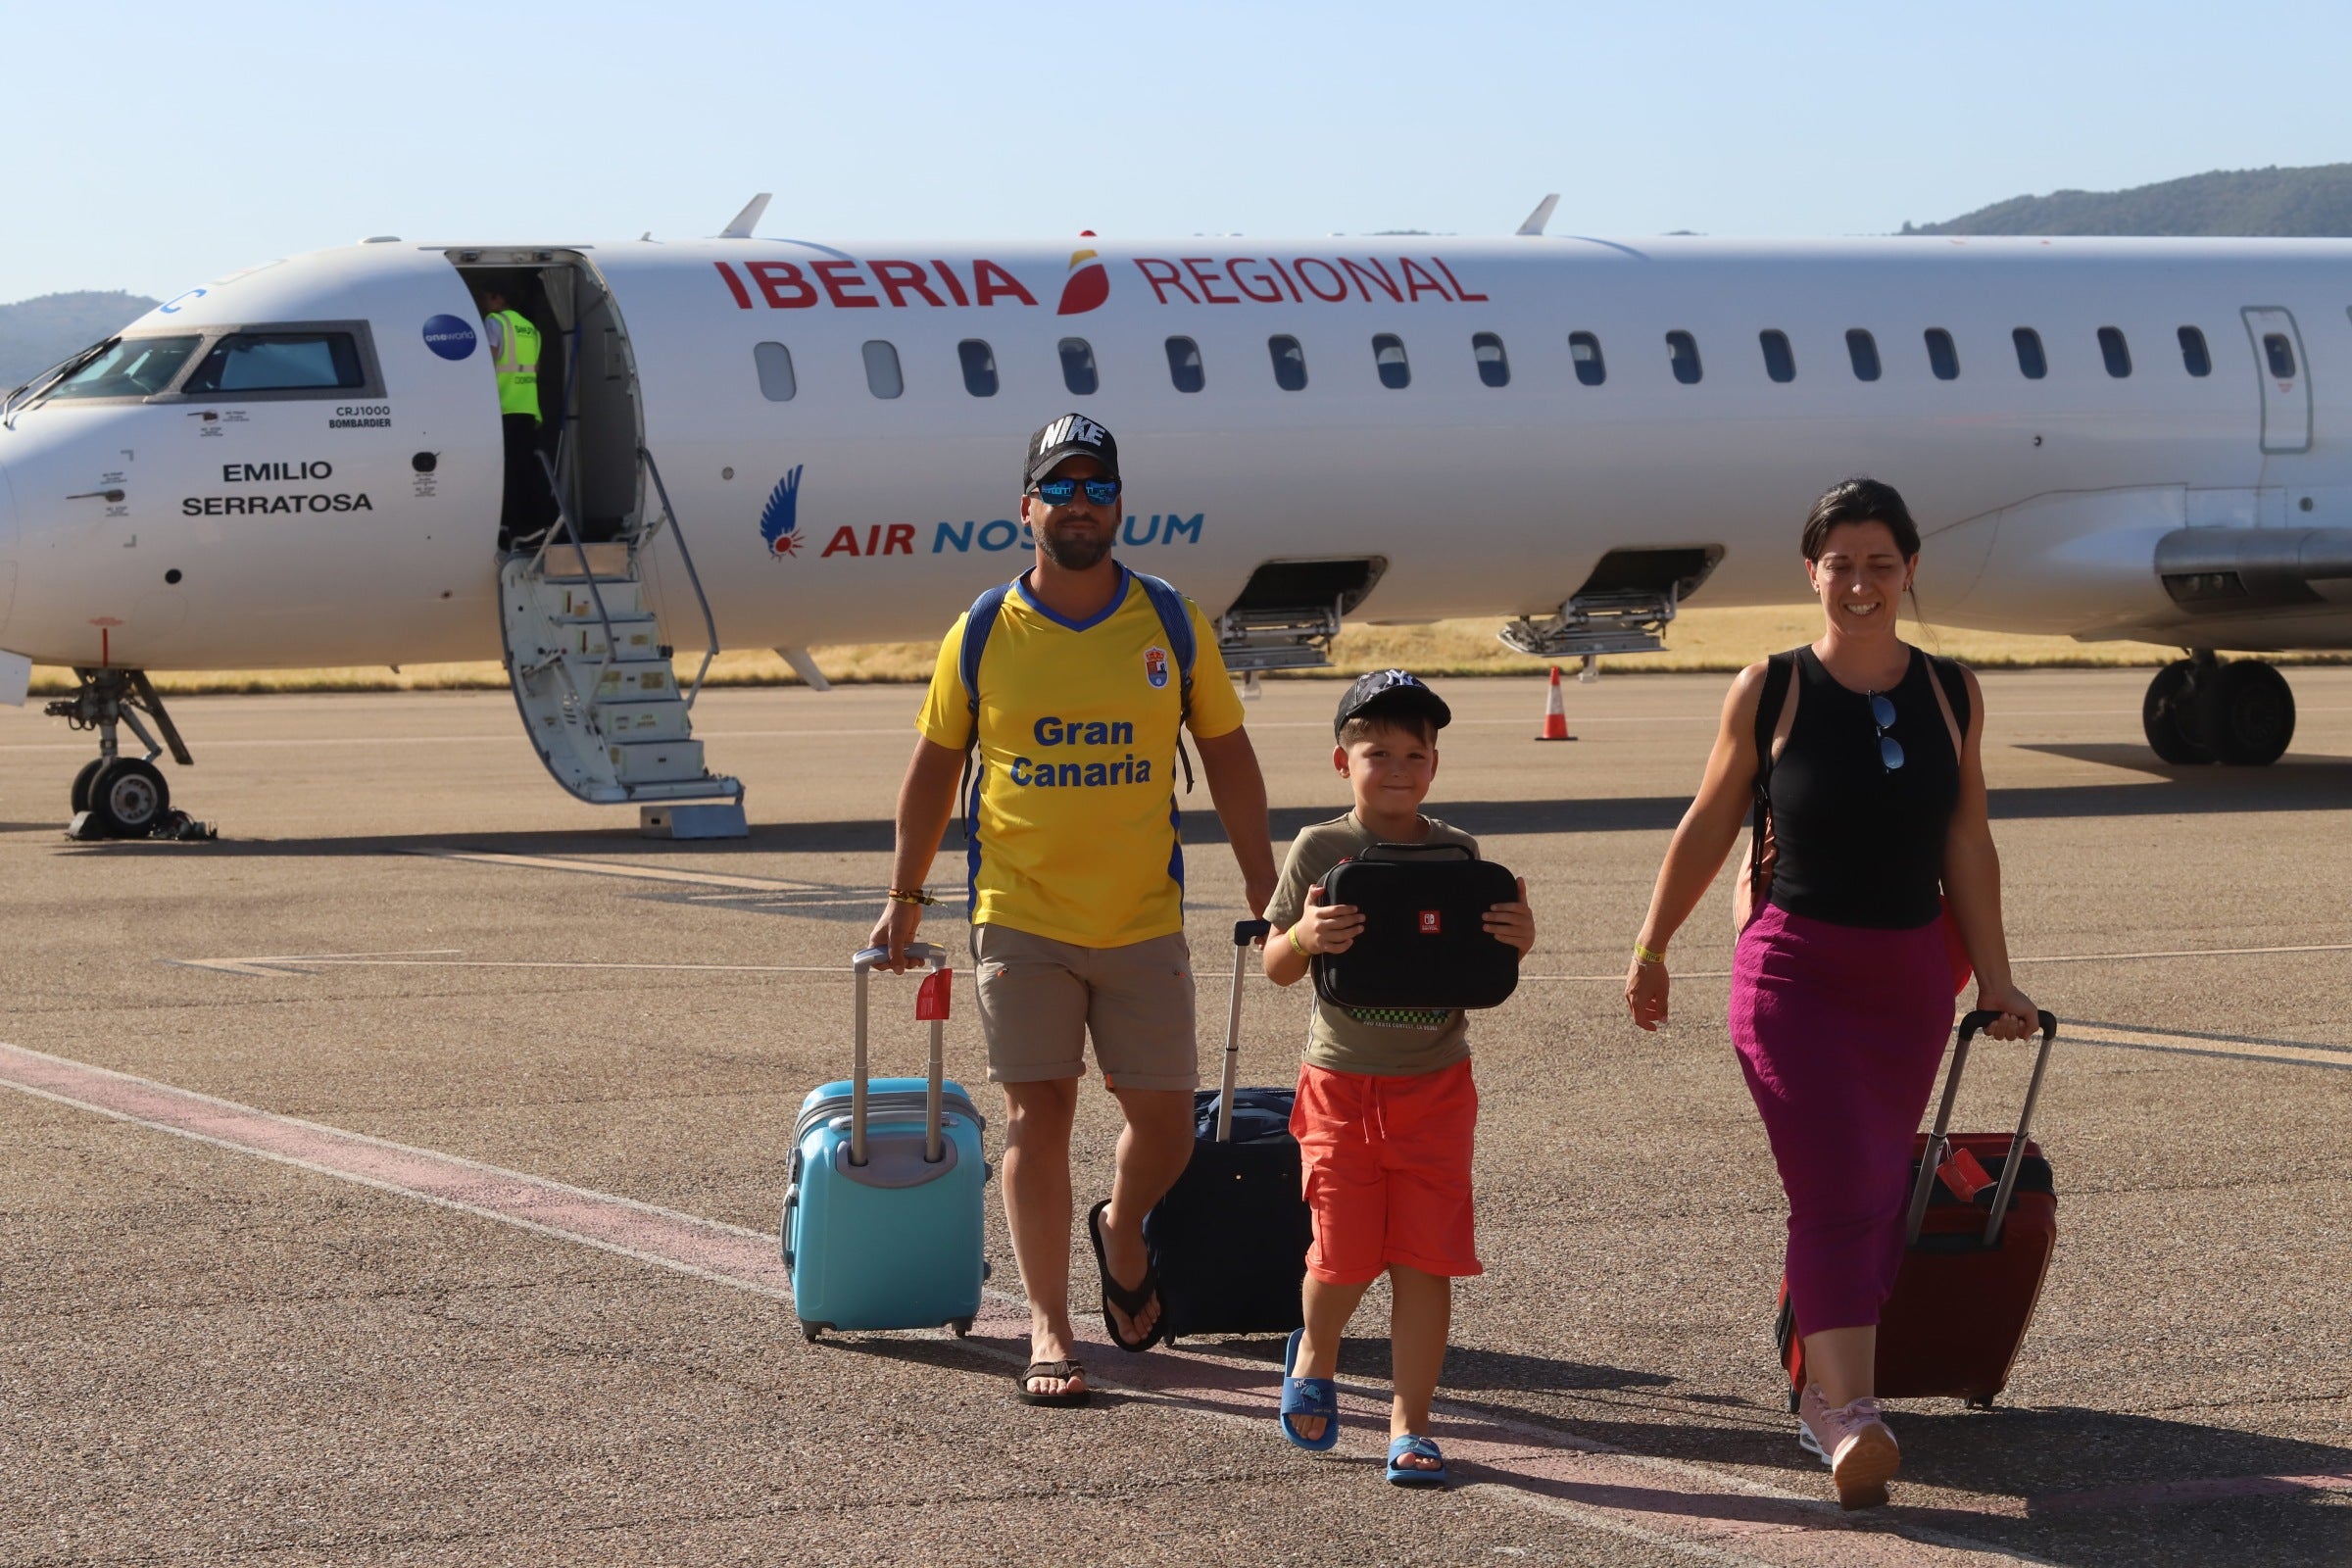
279 361
1494 365
2115 351
1078 366
773 360
2282 355
1780 360
2031 363
883 377
1863 350
2193 351
1289 364
1585 349
979 367
131 367
1184 365
1388 355
1682 350
1943 357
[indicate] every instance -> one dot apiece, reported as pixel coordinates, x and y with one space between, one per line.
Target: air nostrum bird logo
780 518
1089 285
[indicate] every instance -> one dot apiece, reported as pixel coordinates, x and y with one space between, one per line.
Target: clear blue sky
151 147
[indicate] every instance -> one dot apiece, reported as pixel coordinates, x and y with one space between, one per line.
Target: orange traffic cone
1555 712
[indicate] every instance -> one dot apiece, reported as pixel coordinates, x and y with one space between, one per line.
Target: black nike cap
1391 692
1073 435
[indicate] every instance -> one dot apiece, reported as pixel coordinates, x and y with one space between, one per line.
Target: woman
1843 978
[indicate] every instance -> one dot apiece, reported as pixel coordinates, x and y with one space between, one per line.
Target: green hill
36 333
2293 202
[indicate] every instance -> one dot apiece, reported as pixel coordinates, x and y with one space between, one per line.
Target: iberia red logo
1088 286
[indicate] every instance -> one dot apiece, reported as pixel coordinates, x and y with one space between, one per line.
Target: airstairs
593 675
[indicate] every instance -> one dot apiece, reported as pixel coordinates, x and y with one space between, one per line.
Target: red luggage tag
931 996
1964 1175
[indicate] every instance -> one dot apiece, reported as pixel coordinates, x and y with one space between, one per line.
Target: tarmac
395 1179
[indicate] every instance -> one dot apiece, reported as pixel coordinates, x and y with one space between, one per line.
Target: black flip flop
1063 1371
1130 1299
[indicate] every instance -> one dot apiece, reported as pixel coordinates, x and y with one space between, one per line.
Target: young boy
1386 1110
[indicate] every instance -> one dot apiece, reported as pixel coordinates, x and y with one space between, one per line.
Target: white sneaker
1852 1439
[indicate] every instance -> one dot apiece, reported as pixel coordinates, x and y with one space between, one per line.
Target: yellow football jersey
1073 810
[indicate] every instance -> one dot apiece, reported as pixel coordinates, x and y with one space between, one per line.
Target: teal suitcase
882 1212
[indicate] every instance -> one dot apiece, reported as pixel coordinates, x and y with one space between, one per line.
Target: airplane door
2285 382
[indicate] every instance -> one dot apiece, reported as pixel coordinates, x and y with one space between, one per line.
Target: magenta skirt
1840 1031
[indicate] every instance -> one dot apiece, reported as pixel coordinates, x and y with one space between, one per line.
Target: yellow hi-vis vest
517 361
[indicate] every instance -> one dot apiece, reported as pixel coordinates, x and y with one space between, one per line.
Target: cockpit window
280 362
128 367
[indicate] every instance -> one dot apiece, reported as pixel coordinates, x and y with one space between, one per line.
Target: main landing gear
2200 710
117 797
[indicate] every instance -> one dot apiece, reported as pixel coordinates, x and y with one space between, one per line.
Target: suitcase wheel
1797 1400
1984 1403
810 1330
959 1327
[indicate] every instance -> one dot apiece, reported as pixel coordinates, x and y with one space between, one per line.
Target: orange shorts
1385 1164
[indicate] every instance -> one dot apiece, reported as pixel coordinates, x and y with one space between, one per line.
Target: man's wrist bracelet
1296 946
1642 954
911 896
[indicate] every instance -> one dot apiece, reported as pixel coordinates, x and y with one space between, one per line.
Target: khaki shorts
1040 999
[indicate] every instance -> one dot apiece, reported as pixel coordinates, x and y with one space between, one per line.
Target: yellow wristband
1292 935
1642 954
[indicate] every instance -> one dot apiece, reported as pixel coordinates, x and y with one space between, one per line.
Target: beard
1074 554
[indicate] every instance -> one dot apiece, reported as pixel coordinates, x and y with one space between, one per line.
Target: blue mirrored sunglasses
1058 492
1891 750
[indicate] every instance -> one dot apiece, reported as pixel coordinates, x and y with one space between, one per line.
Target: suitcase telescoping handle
1244 932
932 954
1939 1143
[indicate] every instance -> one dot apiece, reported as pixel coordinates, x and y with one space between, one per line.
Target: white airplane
300 464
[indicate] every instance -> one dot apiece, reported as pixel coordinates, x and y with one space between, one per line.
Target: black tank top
1859 843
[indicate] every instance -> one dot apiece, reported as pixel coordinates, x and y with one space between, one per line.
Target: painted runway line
1698 1513
2190 1043
642 873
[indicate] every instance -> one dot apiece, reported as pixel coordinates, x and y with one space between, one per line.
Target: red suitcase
1974 1264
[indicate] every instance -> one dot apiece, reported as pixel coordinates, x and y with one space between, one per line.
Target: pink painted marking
2175 1494
658 1235
1719 1517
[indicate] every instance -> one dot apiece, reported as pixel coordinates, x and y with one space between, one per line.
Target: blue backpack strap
1176 619
978 622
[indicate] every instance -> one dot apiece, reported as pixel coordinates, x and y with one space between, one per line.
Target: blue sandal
1421 1448
1307 1397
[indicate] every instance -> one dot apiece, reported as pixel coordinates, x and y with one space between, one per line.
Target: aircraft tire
2169 717
81 784
128 797
2246 712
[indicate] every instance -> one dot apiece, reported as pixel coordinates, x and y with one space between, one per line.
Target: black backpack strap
1779 671
1954 680
978 622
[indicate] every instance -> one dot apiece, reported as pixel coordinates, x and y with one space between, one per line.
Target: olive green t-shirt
1381 1042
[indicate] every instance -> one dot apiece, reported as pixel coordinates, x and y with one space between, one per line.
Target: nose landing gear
117 797
2200 710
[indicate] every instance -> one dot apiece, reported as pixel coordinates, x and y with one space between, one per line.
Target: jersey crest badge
1156 666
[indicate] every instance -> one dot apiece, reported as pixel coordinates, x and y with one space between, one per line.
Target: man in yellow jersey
1076 874
526 507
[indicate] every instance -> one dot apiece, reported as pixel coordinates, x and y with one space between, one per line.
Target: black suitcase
1229 1241
1424 944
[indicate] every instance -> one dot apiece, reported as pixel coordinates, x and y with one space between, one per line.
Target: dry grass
1700 640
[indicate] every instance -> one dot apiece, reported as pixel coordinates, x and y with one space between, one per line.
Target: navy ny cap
1387 692
1073 435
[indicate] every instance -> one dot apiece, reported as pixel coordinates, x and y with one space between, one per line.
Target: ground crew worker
527 507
